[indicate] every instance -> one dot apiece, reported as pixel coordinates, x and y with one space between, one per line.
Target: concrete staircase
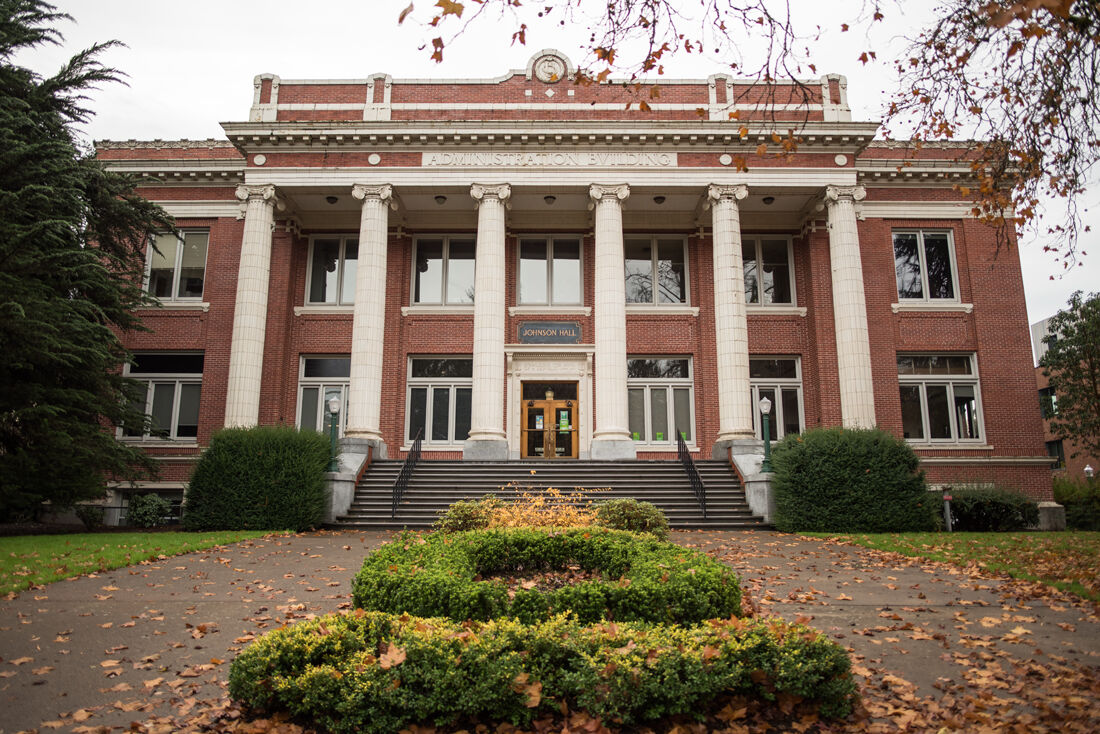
435 485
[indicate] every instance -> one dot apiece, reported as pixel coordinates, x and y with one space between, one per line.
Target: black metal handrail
693 473
403 478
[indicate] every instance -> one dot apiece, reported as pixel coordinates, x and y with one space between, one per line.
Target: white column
611 439
731 331
853 346
487 440
246 352
369 324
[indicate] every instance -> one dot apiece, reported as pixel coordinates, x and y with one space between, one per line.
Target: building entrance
549 422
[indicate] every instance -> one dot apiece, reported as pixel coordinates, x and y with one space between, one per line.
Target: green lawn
29 560
1066 560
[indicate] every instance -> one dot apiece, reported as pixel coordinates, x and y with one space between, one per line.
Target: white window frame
431 383
924 381
176 267
549 239
655 302
342 299
920 233
648 384
758 244
322 383
442 303
778 384
151 379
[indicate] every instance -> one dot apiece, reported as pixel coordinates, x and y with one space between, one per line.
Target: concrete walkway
153 642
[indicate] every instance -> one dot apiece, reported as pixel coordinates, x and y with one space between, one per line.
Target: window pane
460 272
658 415
327 367
937 258
907 265
791 422
138 404
681 408
162 265
322 282
776 272
912 425
428 287
307 419
567 271
418 411
462 413
441 412
671 274
187 422
966 411
164 393
532 271
773 420
351 266
423 367
939 413
639 271
657 368
193 264
635 408
748 263
331 391
167 364
773 369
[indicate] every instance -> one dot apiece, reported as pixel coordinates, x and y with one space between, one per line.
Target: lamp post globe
334 412
765 411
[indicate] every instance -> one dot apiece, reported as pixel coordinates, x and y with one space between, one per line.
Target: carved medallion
549 69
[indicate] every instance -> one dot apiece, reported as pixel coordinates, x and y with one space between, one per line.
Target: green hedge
642 579
374 672
991 509
833 480
631 514
1081 500
268 478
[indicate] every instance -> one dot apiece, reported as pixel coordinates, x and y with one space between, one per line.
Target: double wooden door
549 428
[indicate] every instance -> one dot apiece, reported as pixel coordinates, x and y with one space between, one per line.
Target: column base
485 449
612 449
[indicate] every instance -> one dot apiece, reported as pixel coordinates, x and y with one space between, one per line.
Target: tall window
939 397
1048 402
321 379
438 401
924 264
332 266
177 266
1057 452
769 275
550 271
779 379
443 272
656 271
173 385
660 400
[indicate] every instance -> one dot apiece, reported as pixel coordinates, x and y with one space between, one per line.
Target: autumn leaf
404 14
449 7
394 655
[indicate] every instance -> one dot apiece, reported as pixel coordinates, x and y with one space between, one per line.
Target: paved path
155 640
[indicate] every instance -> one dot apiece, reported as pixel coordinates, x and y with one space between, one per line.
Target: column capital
372 192
618 192
834 194
734 193
481 192
266 192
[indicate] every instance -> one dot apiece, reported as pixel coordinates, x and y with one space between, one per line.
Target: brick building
1067 459
334 244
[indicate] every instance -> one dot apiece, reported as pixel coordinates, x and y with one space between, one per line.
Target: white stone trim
323 105
536 103
673 309
785 309
550 362
307 310
932 307
463 310
202 209
203 306
986 460
549 310
917 210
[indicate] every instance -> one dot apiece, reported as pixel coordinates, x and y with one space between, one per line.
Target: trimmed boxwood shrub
642 579
147 510
630 514
1081 500
266 478
981 509
834 480
374 672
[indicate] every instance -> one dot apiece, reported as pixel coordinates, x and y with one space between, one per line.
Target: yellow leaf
449 7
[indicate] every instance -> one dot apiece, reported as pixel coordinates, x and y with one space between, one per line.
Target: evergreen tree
72 243
1072 362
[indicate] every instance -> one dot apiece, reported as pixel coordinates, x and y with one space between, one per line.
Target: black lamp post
334 414
765 411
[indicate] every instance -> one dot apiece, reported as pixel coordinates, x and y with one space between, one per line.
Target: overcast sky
191 64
